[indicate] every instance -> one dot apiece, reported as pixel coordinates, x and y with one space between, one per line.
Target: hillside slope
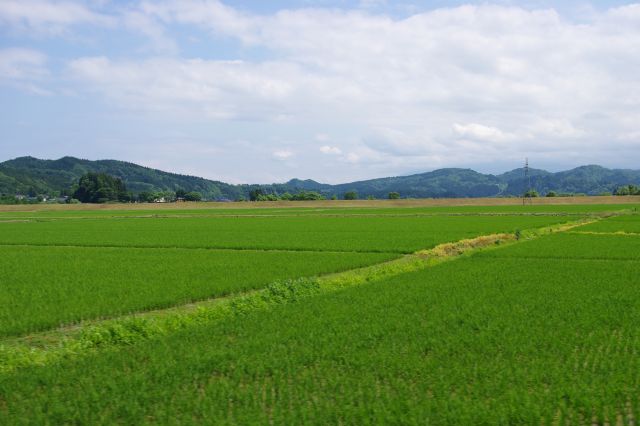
26 175
49 176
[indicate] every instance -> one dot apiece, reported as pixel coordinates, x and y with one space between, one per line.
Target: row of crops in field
542 331
576 245
318 211
397 234
44 287
623 224
539 331
62 271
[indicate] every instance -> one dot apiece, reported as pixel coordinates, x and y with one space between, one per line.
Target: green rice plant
54 345
43 287
398 234
570 245
479 340
67 271
110 211
618 224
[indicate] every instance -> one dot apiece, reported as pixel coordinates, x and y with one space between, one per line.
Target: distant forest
33 180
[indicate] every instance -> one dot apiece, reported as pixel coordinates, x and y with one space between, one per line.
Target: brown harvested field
426 202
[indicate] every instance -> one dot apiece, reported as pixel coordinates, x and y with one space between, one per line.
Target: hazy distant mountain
437 184
307 185
28 174
516 174
589 179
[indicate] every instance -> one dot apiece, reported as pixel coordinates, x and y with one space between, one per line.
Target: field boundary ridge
610 233
87 337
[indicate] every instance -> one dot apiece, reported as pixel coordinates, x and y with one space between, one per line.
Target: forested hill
454 183
28 174
31 175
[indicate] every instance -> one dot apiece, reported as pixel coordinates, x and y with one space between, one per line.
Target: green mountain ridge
26 175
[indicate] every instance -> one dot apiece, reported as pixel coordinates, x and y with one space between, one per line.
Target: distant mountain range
31 175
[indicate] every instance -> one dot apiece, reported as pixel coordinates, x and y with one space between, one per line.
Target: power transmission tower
527 196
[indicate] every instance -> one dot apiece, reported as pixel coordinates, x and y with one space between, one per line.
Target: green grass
575 246
540 331
475 341
629 224
265 210
373 234
61 271
43 287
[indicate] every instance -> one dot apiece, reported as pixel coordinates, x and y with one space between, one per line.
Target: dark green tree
181 193
100 188
394 195
308 196
351 195
255 194
627 190
193 196
146 197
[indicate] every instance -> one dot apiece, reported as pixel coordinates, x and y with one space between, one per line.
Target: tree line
627 190
103 188
261 195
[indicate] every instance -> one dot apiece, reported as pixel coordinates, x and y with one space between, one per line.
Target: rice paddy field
364 314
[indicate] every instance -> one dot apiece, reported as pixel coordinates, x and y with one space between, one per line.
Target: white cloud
631 136
452 86
460 60
211 14
149 27
215 89
41 16
22 64
482 133
330 150
400 143
282 154
557 128
23 68
352 157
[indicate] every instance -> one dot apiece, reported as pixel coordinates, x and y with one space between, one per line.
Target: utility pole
527 177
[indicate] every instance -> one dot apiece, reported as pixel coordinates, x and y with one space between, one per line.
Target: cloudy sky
333 90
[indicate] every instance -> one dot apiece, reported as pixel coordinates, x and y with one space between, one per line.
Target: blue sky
255 91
